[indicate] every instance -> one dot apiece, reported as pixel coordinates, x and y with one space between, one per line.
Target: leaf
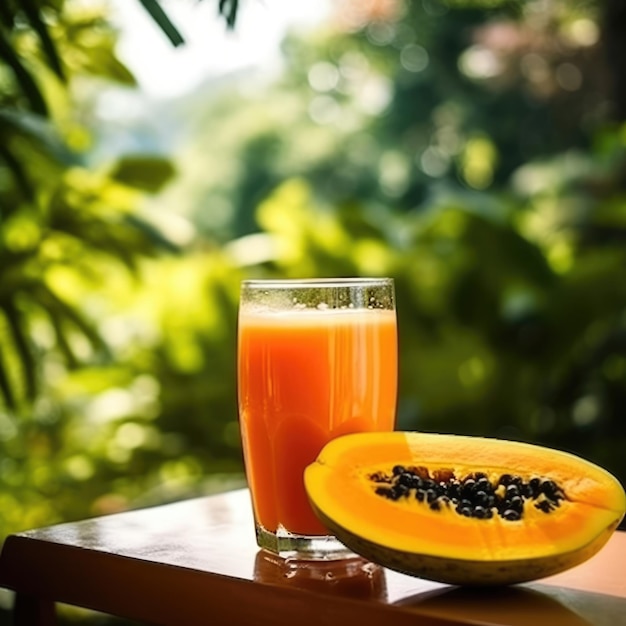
92 43
101 61
163 21
147 172
18 172
59 307
5 385
23 348
22 75
32 13
152 234
62 342
32 150
39 134
228 8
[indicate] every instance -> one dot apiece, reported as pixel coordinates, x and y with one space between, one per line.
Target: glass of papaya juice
317 359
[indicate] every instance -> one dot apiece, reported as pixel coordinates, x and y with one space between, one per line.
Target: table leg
33 611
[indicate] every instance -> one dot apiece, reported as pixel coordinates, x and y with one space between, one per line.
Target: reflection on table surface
533 604
353 578
521 605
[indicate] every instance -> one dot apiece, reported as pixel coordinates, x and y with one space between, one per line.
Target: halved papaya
463 510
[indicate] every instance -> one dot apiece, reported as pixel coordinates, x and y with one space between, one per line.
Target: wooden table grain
196 562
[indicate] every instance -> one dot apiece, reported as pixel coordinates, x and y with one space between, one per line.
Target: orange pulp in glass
305 377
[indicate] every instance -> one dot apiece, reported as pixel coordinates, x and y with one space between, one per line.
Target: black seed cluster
472 496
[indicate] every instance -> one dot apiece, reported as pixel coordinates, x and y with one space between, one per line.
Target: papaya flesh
463 510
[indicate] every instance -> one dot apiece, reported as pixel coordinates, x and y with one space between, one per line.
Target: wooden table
196 562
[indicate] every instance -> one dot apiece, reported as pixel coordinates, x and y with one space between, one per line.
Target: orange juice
305 377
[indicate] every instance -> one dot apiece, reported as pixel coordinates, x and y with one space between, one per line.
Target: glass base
302 547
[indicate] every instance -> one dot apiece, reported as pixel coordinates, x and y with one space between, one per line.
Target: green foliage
455 151
58 216
66 229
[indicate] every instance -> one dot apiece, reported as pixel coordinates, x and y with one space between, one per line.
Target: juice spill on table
304 378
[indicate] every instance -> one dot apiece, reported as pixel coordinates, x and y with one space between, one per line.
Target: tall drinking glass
317 359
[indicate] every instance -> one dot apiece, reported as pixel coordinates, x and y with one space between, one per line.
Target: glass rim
294 283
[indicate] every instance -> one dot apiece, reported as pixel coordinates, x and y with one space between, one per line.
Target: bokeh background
152 155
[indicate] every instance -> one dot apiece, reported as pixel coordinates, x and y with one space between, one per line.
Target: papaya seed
512 516
472 496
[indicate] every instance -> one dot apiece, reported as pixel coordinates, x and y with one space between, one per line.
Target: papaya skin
461 571
444 546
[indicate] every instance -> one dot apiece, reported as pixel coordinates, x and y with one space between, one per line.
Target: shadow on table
514 606
352 578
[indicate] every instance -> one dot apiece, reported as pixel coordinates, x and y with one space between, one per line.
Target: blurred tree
73 238
57 215
476 152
